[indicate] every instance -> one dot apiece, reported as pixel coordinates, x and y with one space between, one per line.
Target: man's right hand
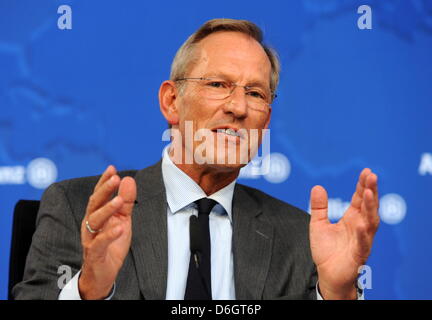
105 250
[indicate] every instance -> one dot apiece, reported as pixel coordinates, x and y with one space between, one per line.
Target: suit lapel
252 246
149 240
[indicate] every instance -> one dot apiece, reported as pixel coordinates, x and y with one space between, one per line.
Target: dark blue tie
198 286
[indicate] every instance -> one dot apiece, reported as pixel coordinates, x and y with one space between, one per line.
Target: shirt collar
182 190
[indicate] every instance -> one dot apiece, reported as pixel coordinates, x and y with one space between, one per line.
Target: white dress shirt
181 192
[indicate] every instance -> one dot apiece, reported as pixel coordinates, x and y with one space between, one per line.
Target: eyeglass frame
273 95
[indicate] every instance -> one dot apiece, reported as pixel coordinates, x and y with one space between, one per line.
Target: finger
319 204
102 194
370 207
358 194
103 239
372 184
127 191
98 218
109 172
357 197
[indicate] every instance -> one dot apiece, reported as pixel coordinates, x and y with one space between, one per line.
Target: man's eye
217 84
256 94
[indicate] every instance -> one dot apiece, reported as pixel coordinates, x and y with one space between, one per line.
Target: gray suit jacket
272 257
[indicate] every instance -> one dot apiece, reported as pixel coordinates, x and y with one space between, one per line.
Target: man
129 235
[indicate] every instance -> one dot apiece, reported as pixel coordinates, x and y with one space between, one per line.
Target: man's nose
237 103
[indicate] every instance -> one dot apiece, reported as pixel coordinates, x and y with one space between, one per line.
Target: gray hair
186 56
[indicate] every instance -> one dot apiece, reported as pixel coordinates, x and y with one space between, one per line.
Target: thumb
127 191
319 204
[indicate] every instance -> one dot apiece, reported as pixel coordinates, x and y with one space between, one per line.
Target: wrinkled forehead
233 55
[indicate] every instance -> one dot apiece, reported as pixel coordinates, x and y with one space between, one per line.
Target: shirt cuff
360 293
71 292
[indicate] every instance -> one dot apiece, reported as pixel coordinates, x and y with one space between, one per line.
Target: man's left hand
339 249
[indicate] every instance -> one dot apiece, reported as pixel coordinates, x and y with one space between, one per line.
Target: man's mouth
229 131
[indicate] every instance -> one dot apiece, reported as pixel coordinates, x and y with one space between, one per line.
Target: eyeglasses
220 89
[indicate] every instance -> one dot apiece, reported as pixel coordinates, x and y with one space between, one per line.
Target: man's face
239 59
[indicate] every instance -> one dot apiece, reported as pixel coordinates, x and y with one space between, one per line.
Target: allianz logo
39 173
425 167
273 167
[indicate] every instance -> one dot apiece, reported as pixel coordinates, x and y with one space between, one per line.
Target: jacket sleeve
55 254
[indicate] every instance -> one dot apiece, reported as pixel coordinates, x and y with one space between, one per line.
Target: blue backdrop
74 100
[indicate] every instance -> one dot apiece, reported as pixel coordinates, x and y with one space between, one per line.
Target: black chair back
24 226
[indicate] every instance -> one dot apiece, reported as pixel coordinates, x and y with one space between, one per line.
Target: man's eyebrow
252 83
257 84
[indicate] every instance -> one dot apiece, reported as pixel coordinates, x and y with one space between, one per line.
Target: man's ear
168 94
